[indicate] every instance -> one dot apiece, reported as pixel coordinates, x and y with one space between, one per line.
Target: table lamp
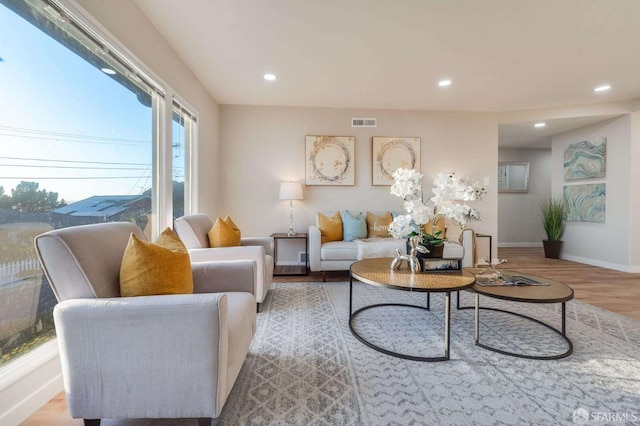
291 191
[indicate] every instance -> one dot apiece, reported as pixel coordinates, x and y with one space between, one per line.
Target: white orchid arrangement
407 183
451 194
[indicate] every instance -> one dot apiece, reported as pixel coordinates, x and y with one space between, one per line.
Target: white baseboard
288 263
601 264
28 383
534 244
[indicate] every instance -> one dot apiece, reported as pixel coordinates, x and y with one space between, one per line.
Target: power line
72 135
76 141
116 163
72 167
74 161
69 178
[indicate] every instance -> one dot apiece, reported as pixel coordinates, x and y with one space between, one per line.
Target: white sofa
339 255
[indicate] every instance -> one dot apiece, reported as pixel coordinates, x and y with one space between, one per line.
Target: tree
5 200
27 198
178 198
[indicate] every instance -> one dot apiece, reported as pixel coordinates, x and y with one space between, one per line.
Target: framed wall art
585 203
585 159
330 160
390 154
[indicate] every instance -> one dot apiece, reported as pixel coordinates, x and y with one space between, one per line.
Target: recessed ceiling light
107 71
541 124
602 88
270 77
444 83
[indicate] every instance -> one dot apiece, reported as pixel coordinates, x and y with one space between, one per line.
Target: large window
183 128
80 134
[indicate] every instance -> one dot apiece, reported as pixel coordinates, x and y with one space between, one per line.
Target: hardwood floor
608 289
614 291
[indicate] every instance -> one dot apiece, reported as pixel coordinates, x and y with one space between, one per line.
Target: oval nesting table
552 292
378 272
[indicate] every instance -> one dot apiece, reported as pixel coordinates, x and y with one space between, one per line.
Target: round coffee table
377 272
553 292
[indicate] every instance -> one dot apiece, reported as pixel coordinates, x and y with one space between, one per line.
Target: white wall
263 146
634 194
519 223
601 244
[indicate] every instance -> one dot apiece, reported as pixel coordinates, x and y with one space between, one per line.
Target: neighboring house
104 208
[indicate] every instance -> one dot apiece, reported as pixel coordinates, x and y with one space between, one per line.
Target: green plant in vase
432 239
433 243
554 213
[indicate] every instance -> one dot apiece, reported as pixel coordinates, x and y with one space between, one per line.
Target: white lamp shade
291 191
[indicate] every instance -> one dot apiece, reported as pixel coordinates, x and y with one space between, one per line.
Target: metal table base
447 326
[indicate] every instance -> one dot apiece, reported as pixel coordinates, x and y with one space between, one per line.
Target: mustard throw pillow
378 226
454 232
330 227
224 233
160 268
435 224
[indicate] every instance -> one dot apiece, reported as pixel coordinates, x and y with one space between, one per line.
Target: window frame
38 360
161 200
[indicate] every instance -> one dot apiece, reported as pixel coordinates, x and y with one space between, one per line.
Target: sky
67 125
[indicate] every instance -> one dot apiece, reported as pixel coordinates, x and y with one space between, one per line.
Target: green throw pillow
354 227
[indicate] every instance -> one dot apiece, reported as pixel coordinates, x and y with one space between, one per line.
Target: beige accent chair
193 231
171 356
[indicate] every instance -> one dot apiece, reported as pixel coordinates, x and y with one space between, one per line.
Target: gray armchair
193 231
171 356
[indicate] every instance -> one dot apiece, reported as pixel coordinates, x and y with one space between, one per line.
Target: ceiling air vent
364 122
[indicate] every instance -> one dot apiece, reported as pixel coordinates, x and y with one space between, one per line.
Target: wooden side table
290 270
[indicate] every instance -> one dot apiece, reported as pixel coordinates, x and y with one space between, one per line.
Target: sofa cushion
161 268
379 247
330 227
224 233
353 226
436 224
454 232
378 226
452 250
338 250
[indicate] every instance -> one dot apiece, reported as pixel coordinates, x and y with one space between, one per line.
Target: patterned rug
306 368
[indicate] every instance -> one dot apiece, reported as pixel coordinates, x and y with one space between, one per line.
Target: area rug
306 368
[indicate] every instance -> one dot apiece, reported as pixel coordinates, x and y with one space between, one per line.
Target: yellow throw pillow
224 233
378 226
435 224
161 268
454 232
330 227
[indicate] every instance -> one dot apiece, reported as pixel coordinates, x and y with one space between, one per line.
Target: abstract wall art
585 203
585 159
330 160
392 153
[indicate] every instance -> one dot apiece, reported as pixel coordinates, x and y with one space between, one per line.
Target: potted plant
554 212
433 243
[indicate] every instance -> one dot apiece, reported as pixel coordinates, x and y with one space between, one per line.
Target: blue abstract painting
585 159
585 203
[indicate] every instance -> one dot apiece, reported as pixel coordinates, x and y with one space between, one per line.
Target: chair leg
91 422
258 307
205 421
324 276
